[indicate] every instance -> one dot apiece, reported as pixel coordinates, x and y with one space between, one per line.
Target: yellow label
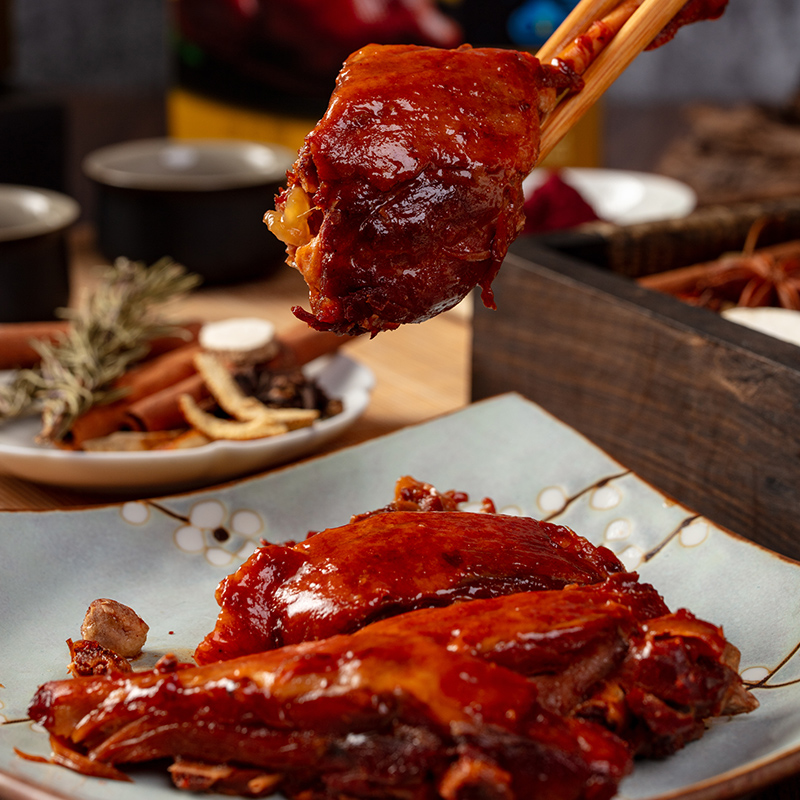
582 146
191 116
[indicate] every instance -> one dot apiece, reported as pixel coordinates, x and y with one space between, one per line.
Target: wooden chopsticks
633 37
579 19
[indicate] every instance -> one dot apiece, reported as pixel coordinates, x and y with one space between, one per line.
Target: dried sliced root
239 430
251 418
225 390
293 418
186 440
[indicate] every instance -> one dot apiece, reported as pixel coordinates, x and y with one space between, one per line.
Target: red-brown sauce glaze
693 11
343 578
350 716
408 193
543 694
414 178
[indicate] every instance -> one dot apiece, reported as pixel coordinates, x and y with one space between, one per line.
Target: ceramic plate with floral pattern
165 557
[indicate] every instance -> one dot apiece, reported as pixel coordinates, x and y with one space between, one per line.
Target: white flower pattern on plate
222 537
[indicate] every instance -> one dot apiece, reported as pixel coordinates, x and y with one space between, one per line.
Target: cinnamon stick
143 380
16 350
161 410
154 387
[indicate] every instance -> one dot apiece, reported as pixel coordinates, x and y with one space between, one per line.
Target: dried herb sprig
105 338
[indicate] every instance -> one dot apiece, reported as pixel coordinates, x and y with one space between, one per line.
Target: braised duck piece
385 564
611 652
413 495
365 715
538 694
408 192
678 672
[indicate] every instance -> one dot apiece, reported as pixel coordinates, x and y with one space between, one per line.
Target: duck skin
408 192
693 11
611 652
383 564
552 689
365 715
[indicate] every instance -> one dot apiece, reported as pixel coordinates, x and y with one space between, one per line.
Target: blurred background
75 76
718 108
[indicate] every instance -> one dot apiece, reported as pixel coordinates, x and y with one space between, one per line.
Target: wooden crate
706 410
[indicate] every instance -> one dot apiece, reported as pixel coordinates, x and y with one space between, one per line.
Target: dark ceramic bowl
34 256
200 201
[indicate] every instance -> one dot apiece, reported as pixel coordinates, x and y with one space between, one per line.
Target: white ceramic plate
165 558
781 323
624 197
160 472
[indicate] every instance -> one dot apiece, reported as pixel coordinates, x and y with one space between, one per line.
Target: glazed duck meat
348 717
416 653
383 564
611 652
408 192
693 11
540 694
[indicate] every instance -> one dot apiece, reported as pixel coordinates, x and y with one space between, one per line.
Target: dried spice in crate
768 276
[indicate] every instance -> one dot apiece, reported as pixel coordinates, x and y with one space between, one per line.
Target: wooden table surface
421 371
